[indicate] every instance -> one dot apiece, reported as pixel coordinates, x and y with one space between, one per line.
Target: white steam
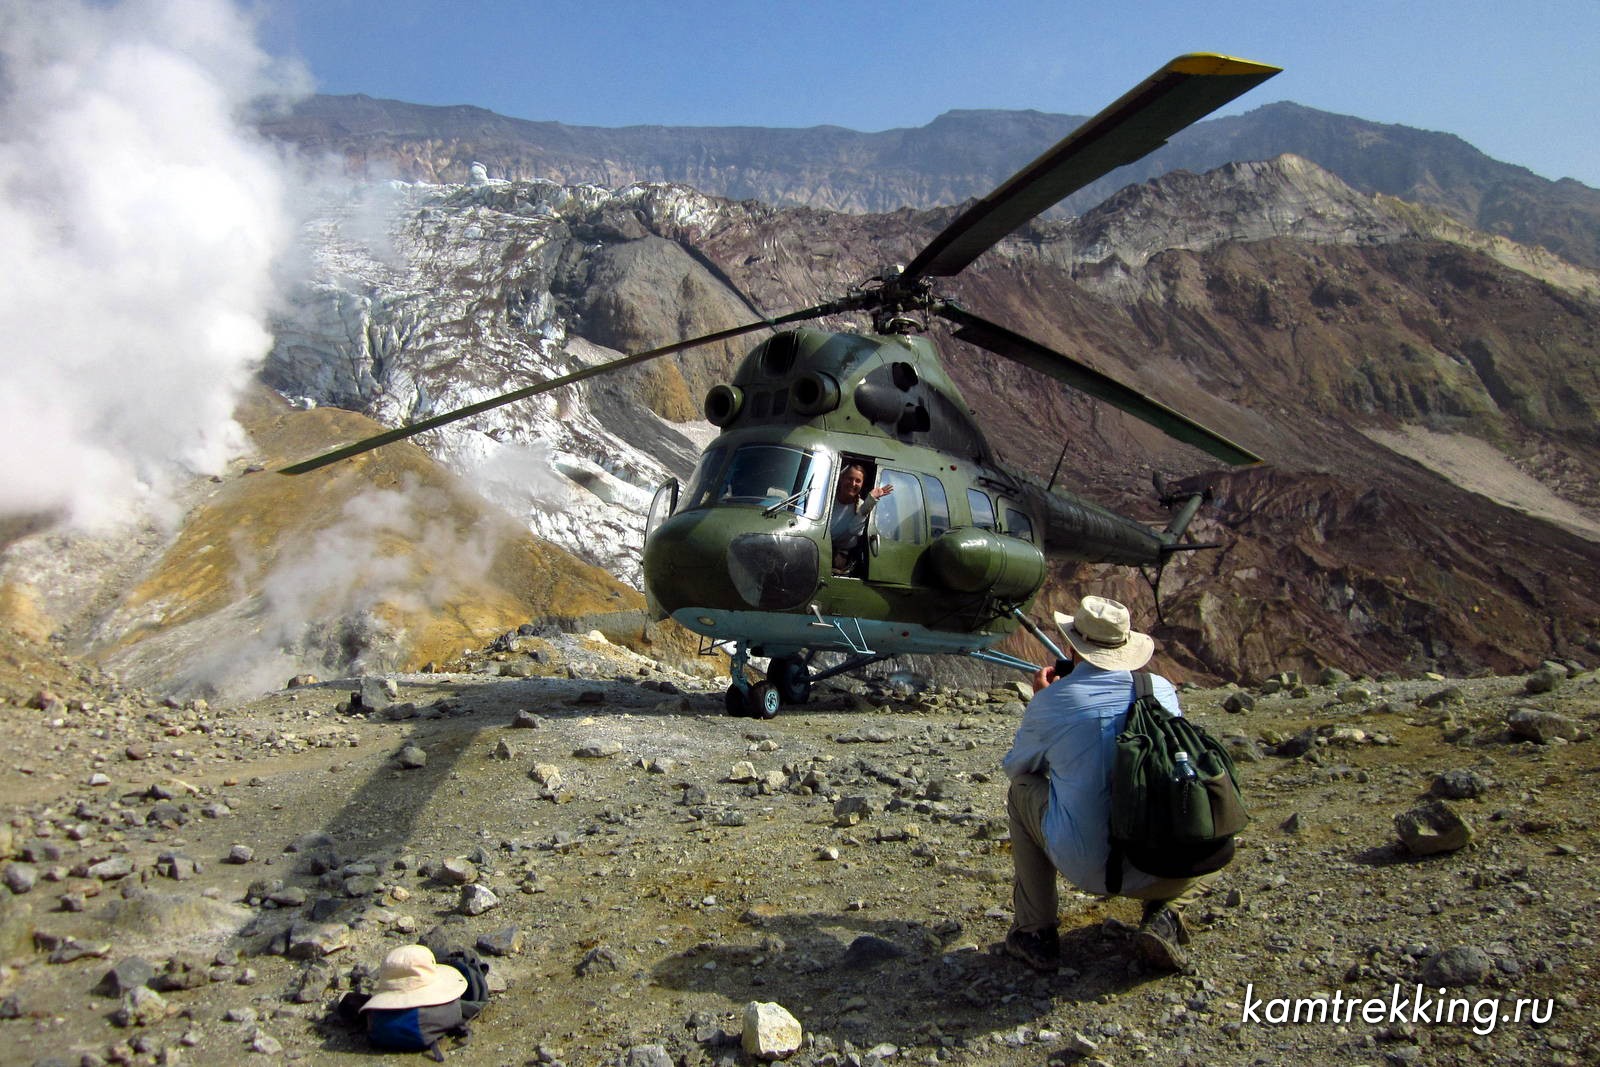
340 601
138 225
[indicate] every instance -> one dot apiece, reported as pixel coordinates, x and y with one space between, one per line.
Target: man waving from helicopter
850 510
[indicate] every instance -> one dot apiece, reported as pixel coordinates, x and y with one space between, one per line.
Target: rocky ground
199 884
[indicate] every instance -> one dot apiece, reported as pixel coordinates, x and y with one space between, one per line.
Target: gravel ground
653 866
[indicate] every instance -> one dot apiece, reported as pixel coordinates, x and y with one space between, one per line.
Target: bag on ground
419 1001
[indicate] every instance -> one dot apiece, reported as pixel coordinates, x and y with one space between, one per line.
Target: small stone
743 771
360 885
1291 825
503 750
111 869
850 810
1543 680
1459 785
1457 965
176 866
477 899
314 981
141 1007
315 940
506 941
648 1056
1542 726
1432 828
599 960
181 972
1238 702
458 870
770 1032
291 896
265 1044
240 854
128 974
411 757
867 950
526 720
598 750
375 694
20 877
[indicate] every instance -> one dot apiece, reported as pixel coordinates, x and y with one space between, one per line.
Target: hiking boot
1039 949
1153 908
1159 942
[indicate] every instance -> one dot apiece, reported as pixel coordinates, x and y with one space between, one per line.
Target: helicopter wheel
763 701
792 678
734 701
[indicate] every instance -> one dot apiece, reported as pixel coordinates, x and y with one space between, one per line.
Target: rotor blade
1003 342
412 429
1180 93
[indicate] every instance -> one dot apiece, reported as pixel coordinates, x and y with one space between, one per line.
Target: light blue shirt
1069 732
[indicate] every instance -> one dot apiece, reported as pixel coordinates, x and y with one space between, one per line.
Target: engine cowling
969 559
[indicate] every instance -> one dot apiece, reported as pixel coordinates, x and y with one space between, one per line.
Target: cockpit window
770 474
700 485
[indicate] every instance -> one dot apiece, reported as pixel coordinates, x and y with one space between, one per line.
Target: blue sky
1518 81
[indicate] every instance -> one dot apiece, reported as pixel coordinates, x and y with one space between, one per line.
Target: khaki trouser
1034 899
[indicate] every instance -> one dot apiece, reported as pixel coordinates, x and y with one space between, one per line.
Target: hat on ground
1100 633
411 978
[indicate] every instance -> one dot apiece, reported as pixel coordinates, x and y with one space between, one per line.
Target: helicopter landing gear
791 676
759 701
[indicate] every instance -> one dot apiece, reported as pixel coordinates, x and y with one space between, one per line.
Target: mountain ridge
958 155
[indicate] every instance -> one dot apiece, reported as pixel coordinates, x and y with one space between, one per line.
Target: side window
1018 524
898 516
982 510
938 505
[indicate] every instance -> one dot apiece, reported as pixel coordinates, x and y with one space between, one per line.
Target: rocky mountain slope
958 155
1357 342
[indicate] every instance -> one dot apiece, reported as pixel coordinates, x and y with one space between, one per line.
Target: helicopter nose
705 560
774 572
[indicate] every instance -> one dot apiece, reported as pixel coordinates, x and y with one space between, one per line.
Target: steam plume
138 225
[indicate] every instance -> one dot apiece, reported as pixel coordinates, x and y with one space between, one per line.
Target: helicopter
952 550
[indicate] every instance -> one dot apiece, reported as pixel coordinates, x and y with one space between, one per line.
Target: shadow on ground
864 980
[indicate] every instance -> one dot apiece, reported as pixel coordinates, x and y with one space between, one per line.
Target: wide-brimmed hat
1101 634
411 978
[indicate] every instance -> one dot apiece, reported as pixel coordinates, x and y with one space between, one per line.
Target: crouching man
1059 802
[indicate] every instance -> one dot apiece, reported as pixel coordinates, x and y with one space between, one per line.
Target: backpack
476 972
422 1029
1163 826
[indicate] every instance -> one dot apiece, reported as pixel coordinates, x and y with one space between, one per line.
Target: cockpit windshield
771 474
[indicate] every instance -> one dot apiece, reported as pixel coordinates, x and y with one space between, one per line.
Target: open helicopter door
897 530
